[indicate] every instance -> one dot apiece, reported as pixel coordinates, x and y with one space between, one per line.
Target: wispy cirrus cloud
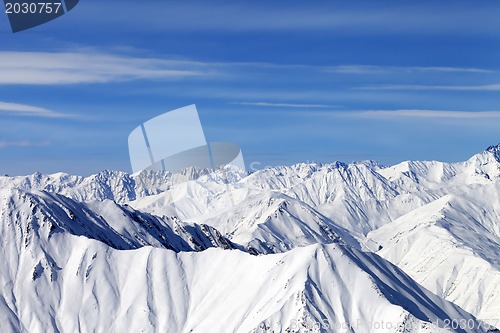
96 66
404 113
282 16
484 87
373 69
289 105
24 110
53 68
426 114
22 143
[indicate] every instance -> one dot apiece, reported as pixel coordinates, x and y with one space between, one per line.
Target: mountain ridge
436 222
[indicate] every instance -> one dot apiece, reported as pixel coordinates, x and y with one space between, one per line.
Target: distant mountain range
360 247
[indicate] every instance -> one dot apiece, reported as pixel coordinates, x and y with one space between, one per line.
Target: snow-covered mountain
276 250
68 283
31 216
450 245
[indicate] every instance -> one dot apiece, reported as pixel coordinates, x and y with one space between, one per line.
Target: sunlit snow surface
286 249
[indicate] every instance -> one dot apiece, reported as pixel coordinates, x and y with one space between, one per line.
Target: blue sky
290 81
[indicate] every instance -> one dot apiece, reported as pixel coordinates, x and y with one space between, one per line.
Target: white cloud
47 68
372 69
21 143
485 87
93 66
29 110
426 114
290 105
177 16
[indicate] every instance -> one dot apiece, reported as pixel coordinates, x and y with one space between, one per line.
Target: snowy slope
449 246
272 222
27 216
113 185
349 194
439 222
68 283
482 168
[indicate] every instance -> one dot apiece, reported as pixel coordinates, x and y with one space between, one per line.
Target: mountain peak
495 150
